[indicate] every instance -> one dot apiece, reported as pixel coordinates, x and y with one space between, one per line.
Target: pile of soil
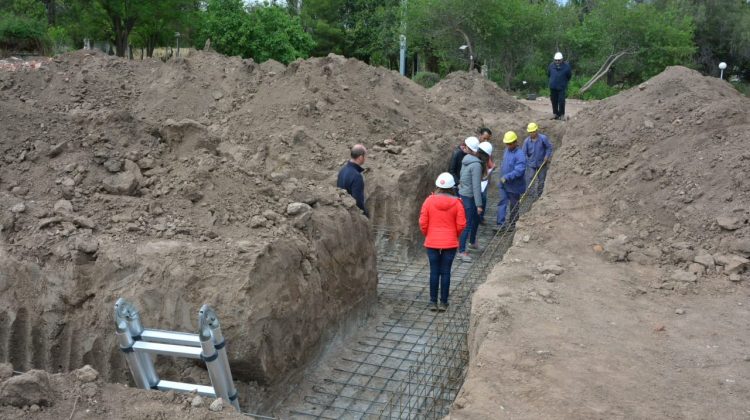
625 292
82 394
207 179
475 99
673 155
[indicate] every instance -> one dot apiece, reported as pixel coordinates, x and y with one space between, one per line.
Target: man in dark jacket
454 167
559 73
351 179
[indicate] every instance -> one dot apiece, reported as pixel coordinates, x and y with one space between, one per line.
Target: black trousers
557 96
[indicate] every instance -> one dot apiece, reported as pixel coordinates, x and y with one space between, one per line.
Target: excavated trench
405 361
393 358
295 291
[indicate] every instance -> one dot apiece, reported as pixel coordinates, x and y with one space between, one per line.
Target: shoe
555 117
443 307
475 247
433 307
464 256
498 228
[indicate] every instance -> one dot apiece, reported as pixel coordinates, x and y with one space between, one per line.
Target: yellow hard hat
532 127
509 137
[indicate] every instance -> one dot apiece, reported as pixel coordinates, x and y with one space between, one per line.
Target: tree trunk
150 45
603 70
433 63
122 33
471 50
51 6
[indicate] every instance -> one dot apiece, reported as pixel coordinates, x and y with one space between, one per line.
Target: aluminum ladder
139 344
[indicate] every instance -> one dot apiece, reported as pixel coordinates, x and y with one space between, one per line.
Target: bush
59 39
426 79
22 34
599 90
743 87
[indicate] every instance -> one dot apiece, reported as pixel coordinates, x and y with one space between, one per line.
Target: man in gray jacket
470 191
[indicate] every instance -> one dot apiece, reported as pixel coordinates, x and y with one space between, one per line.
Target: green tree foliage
23 27
165 18
263 32
29 9
514 39
655 37
365 29
278 36
722 33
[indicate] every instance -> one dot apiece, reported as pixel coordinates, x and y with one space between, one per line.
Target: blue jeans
472 223
536 189
508 204
441 261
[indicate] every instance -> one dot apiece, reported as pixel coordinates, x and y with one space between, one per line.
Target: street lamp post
722 67
402 61
471 56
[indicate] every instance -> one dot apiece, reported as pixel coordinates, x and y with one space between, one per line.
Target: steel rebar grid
413 363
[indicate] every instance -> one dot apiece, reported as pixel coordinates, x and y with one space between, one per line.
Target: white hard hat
558 56
445 180
486 147
472 143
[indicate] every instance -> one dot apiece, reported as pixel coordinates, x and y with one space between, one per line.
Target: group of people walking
451 216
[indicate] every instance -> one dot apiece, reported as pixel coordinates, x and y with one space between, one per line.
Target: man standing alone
559 73
351 179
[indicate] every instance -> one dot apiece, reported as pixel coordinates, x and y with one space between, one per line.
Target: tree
263 32
365 29
123 15
277 35
159 24
654 36
722 33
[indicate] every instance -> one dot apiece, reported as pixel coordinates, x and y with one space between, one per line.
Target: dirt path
542 106
598 341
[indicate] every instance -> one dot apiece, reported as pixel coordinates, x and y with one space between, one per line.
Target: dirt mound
204 180
80 394
673 155
472 96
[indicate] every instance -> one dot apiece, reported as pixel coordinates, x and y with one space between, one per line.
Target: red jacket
442 219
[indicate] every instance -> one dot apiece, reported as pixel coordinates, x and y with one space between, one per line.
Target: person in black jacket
351 179
454 167
559 73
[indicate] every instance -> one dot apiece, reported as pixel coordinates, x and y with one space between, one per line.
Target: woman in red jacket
442 219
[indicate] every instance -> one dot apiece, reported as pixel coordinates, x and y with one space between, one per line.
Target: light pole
471 56
177 36
722 67
402 61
